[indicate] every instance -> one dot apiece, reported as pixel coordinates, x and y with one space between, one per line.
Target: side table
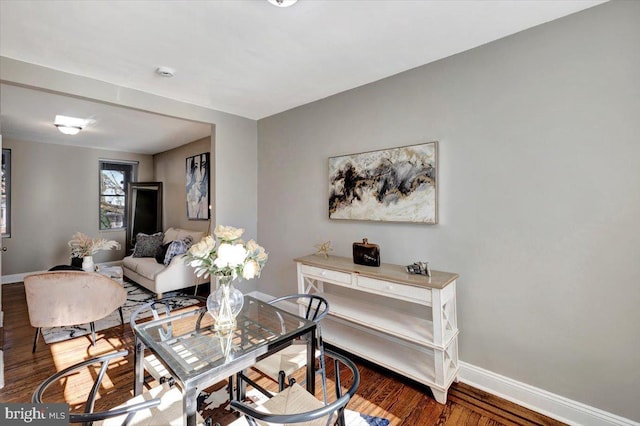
113 272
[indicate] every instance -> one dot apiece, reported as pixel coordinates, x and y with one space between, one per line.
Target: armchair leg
93 333
35 339
121 316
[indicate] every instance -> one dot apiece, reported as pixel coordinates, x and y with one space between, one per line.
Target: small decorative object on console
419 268
324 249
366 254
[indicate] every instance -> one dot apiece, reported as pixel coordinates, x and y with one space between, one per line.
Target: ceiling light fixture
70 125
283 3
68 130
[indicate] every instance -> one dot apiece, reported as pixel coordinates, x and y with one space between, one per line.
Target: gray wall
54 193
539 196
169 168
50 202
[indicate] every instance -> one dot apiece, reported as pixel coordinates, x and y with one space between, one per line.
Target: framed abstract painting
197 177
390 185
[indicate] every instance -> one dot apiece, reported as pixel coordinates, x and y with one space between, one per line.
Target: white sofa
159 278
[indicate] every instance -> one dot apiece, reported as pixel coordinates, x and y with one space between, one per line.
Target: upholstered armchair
65 298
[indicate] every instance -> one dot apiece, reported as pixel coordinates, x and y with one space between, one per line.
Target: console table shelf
406 323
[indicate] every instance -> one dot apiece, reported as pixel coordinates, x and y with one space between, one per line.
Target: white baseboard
16 278
541 401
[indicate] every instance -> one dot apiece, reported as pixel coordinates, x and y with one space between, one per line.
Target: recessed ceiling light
70 125
165 71
283 3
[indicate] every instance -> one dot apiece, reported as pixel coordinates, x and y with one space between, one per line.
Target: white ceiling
28 115
249 58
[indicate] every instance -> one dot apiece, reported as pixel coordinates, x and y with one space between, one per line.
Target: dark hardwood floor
381 393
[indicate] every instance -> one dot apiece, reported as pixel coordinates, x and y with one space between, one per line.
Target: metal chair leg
35 339
323 373
93 333
230 388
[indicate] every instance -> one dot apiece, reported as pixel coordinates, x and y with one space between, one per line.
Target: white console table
406 323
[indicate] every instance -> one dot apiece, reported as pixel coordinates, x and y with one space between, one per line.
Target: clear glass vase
228 349
225 304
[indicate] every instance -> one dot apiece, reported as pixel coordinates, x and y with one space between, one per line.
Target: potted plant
84 247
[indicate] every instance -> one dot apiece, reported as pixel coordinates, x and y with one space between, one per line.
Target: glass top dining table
198 356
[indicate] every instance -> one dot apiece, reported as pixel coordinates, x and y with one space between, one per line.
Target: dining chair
295 405
161 405
281 365
66 298
156 309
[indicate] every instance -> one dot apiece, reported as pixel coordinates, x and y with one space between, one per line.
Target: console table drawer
327 274
398 291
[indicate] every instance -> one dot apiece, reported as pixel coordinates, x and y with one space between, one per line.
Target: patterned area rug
216 406
136 296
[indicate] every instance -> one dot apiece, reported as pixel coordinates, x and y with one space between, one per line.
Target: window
114 178
5 204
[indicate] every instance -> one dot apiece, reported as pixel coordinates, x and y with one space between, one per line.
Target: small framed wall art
197 177
390 185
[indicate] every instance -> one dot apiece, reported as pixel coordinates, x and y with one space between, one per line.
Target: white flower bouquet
229 257
82 245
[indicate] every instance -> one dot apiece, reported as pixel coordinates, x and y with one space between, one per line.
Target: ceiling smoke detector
165 71
282 3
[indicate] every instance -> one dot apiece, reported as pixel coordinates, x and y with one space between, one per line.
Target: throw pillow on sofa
178 247
162 252
147 245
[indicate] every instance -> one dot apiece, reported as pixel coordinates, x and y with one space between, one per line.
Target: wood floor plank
497 408
381 393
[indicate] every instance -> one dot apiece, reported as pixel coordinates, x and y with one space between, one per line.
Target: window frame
130 170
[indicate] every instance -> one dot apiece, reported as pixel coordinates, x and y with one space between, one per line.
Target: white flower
256 251
251 270
262 256
230 255
252 246
204 247
228 233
